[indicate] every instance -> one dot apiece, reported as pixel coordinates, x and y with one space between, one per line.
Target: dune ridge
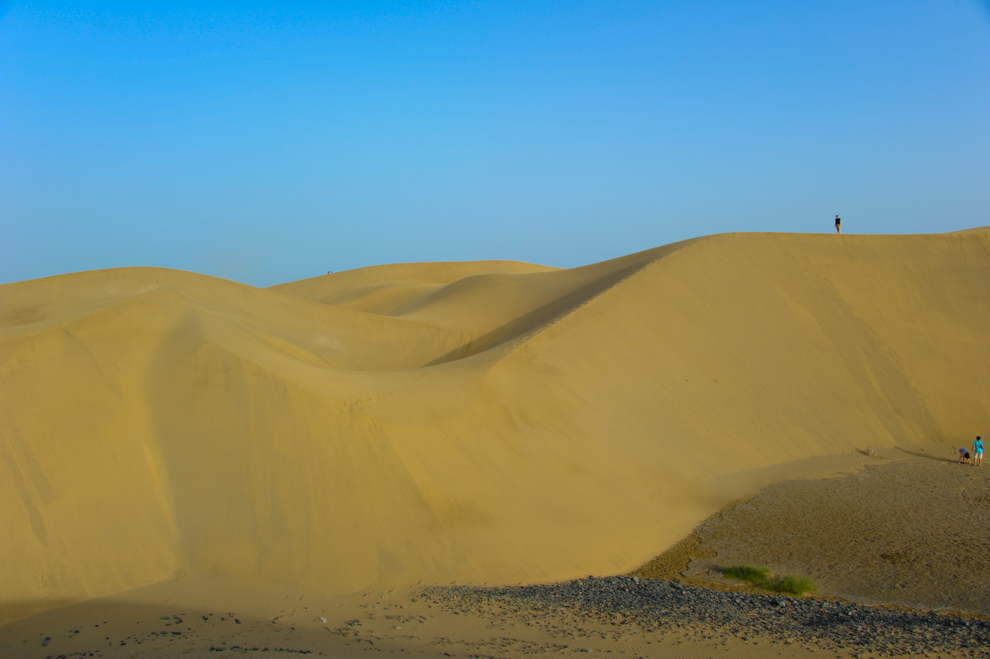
489 421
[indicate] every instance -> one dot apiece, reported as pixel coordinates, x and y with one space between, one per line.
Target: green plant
754 575
790 584
760 577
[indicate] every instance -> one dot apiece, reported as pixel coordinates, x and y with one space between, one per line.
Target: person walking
838 224
978 452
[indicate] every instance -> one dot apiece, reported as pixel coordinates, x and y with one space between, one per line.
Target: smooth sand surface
480 422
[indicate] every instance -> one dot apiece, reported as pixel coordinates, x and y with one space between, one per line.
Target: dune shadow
14 610
922 455
538 317
101 626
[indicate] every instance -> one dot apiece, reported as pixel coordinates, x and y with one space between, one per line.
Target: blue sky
270 144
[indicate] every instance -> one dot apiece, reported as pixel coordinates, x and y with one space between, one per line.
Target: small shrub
760 577
790 584
754 575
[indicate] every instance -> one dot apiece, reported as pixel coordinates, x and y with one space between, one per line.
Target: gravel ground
655 605
913 533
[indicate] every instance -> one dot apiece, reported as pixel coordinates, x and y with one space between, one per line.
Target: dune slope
473 422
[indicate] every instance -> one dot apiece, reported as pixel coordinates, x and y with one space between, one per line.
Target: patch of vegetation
760 577
754 575
790 584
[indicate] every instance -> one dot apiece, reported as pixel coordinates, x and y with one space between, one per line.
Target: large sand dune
475 422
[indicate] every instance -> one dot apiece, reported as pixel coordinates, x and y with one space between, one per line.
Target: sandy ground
889 520
906 529
362 625
483 422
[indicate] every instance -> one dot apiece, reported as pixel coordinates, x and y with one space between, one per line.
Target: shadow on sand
108 628
921 455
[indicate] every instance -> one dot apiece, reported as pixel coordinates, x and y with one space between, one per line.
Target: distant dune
478 422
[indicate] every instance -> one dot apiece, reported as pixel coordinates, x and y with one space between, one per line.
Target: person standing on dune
978 452
838 224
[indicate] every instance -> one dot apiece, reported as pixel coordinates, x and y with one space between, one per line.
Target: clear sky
269 144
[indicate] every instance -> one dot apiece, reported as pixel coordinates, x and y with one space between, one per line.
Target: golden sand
477 422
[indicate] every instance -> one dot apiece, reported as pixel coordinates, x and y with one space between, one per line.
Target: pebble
658 605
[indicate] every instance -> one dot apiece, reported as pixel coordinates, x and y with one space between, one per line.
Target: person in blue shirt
978 452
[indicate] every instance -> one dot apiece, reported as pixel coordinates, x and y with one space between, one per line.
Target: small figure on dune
963 456
838 224
978 452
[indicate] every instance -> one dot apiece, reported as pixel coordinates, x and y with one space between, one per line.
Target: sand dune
476 422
